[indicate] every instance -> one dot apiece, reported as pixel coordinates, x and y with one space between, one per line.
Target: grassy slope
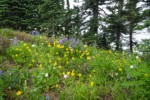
39 67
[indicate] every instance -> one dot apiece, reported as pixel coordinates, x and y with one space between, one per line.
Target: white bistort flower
33 45
65 76
46 75
116 74
131 66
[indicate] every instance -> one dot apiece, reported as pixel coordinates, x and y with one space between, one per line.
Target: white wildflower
131 66
137 57
46 75
85 46
116 74
65 76
33 45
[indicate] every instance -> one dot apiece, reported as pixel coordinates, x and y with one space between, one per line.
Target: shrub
144 48
20 54
4 43
6 32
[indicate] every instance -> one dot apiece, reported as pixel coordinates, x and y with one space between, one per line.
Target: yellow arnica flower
33 60
40 66
72 74
79 75
24 44
59 66
16 55
67 62
88 58
73 58
91 84
68 73
19 93
55 64
56 85
94 70
120 69
90 75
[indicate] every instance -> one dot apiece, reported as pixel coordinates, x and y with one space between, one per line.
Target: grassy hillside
39 68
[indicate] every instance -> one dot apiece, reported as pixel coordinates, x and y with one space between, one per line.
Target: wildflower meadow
41 68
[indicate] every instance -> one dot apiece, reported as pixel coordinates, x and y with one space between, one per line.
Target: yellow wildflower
79 74
55 64
24 44
67 49
71 49
67 62
88 58
56 86
77 51
16 55
73 58
87 53
50 61
33 60
90 75
94 70
56 53
62 46
120 69
91 84
19 93
68 73
40 66
72 73
17 49
59 66
59 58
49 45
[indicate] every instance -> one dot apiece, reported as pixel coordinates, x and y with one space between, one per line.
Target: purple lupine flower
47 97
15 41
1 72
37 32
62 41
65 39
78 41
33 32
72 41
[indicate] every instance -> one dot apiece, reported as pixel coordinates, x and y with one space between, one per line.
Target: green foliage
144 48
67 69
6 32
20 54
5 42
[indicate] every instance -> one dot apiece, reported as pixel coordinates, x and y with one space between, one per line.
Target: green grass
40 67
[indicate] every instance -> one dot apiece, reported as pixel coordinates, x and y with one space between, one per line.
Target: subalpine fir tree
115 24
18 14
4 11
133 18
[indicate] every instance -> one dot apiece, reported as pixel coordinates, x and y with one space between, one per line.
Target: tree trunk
68 4
130 38
118 41
94 26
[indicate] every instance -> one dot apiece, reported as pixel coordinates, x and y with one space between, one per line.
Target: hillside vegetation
39 68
